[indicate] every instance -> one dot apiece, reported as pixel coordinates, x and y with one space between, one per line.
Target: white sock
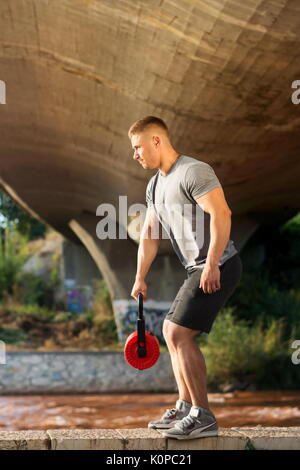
185 404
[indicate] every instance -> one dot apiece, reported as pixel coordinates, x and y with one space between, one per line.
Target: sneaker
200 422
172 416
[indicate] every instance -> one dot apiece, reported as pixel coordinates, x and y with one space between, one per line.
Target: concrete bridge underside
78 73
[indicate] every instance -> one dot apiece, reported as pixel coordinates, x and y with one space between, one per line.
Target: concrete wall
81 372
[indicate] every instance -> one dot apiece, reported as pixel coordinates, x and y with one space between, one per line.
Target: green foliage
12 335
235 351
102 295
282 249
101 314
61 317
31 289
292 226
54 274
13 254
88 317
279 373
26 287
232 349
257 299
43 313
12 213
108 329
249 445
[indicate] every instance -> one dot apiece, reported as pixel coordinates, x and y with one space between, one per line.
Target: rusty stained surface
265 408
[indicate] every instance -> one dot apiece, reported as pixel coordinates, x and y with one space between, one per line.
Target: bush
12 335
108 329
235 351
25 224
283 254
102 312
24 287
61 317
43 313
13 254
31 290
279 374
257 299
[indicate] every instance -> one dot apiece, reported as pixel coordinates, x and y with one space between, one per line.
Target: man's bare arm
214 203
148 245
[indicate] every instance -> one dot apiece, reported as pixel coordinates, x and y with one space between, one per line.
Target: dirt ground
28 332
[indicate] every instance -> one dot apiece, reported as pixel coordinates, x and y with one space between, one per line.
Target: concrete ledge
255 438
24 440
85 439
263 438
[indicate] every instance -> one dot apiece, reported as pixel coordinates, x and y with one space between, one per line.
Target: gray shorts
193 308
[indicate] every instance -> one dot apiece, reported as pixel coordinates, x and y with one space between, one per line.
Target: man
212 263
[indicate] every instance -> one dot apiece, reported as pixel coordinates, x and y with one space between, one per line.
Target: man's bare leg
190 362
182 388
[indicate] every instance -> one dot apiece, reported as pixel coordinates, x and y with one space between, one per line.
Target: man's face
145 150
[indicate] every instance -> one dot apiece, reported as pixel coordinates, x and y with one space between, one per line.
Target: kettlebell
141 349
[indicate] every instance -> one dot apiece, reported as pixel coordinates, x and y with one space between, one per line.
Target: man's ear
156 140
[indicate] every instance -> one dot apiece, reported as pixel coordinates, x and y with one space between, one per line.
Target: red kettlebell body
131 351
141 349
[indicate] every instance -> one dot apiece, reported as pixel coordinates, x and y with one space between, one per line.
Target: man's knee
177 334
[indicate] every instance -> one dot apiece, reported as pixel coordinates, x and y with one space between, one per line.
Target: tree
25 224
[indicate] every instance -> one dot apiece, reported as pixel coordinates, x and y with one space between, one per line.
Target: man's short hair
142 124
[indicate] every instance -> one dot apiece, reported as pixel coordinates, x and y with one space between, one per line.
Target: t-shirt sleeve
200 178
149 194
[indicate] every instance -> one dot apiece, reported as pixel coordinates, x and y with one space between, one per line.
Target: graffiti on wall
126 315
78 299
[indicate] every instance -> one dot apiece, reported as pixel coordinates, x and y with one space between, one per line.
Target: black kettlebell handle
142 351
140 301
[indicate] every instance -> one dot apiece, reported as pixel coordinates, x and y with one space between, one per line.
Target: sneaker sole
193 435
162 426
202 434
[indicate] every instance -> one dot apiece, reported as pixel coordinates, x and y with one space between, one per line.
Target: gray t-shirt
183 221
